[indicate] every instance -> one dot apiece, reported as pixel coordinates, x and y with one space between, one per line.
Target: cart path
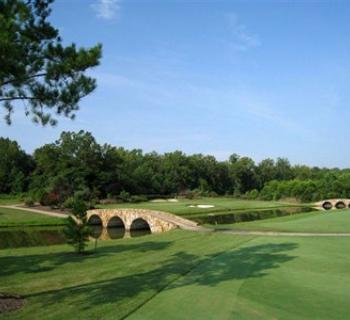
45 212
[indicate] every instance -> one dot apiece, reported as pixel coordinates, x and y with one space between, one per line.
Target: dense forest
76 166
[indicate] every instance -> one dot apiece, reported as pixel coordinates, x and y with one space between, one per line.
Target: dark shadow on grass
46 262
211 270
243 263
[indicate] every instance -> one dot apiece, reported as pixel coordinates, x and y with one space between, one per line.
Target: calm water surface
45 236
243 216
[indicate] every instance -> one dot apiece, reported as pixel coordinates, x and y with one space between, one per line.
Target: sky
263 79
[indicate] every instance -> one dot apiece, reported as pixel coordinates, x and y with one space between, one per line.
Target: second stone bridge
138 219
333 204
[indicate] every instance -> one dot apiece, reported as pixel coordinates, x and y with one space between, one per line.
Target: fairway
183 275
15 217
263 279
319 221
220 204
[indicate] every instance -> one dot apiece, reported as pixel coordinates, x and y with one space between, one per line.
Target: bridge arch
340 205
116 221
96 226
95 220
140 224
327 205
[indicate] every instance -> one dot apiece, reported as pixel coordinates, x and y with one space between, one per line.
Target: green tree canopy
68 167
76 166
15 166
36 69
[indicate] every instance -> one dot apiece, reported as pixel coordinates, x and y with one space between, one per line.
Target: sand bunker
164 200
202 206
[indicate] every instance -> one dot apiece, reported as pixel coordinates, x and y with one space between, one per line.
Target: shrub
51 199
91 204
191 194
136 199
29 202
125 196
212 194
68 203
253 194
108 201
83 193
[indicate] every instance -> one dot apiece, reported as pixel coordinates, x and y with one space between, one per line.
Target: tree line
76 166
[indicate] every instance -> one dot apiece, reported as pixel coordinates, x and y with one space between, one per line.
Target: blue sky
257 78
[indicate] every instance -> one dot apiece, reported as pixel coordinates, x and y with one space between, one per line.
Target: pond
113 233
45 236
243 216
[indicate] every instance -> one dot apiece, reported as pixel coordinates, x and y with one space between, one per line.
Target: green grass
113 282
221 204
266 278
15 217
6 199
183 275
318 221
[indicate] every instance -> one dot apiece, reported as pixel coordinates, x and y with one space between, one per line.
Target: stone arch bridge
330 204
138 219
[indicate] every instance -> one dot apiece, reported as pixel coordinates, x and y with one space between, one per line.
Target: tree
35 68
77 230
266 171
283 169
15 166
68 167
243 174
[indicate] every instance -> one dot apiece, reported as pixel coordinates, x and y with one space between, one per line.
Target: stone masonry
157 221
333 204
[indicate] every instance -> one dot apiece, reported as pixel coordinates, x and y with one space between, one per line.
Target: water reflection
46 236
139 233
116 233
30 236
235 217
96 231
112 233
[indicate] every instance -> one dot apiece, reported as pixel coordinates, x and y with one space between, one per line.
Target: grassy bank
6 199
318 221
177 274
14 217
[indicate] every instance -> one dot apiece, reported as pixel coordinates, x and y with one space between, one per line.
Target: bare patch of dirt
10 302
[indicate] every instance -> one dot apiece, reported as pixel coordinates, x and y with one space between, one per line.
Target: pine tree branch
19 98
28 78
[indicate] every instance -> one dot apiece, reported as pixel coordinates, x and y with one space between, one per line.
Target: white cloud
106 9
243 39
